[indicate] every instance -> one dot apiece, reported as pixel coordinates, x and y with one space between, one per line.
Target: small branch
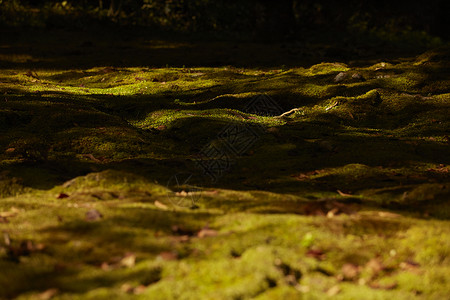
288 113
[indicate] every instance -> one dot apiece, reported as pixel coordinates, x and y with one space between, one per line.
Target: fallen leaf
177 229
333 291
108 70
410 266
349 272
139 289
6 239
93 215
385 214
168 255
181 238
183 193
340 77
316 253
206 232
301 177
129 260
236 114
362 281
48 294
39 247
91 157
441 169
27 246
332 212
126 288
62 196
291 280
13 211
214 192
160 205
344 194
105 266
358 76
329 208
302 288
375 266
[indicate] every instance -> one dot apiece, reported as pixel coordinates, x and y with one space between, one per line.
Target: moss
359 171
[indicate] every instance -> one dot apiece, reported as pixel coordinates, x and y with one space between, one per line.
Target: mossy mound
327 180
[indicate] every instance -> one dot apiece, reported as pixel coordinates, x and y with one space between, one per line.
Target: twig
288 112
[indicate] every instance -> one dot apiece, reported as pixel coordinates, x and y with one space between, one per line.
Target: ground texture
172 170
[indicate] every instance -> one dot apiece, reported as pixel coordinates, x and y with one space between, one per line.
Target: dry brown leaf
350 271
128 261
168 255
344 194
160 205
214 192
183 193
302 288
410 266
126 288
206 232
6 239
440 169
139 289
332 213
375 265
333 291
108 70
316 253
105 266
329 207
62 196
180 239
48 294
301 177
385 214
13 211
91 157
93 215
180 230
39 247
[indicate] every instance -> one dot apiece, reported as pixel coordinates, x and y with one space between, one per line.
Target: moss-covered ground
104 145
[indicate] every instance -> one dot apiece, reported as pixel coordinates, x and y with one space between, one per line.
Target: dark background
250 19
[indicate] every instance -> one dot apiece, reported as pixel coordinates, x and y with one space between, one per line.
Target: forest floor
167 169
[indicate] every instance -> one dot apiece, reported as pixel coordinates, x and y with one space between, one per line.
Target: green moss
371 154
